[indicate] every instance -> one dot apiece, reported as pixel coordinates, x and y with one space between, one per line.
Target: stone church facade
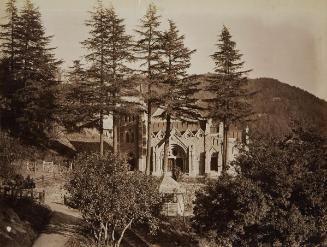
195 147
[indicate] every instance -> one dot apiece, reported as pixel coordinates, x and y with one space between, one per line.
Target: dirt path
64 223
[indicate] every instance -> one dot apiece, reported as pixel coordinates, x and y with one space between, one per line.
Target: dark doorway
132 162
180 164
202 163
214 162
171 163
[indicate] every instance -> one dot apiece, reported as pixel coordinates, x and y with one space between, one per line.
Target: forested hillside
278 105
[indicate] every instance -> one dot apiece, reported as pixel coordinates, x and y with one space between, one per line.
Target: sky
282 39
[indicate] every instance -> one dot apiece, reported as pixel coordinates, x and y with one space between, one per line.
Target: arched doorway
177 158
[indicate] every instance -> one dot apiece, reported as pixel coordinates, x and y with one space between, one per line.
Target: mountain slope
277 105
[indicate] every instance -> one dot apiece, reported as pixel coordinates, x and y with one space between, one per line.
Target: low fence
48 167
15 193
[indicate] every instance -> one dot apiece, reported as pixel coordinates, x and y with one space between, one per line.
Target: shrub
278 197
111 198
19 182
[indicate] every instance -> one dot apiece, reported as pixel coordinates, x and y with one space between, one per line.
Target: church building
195 147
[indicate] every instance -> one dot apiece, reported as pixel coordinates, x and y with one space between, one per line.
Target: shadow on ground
63 224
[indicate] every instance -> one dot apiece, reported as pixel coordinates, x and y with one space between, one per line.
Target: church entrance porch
177 159
179 163
179 156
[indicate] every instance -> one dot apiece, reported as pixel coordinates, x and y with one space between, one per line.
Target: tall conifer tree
106 83
119 49
177 99
9 36
38 69
8 61
33 70
36 58
147 48
228 85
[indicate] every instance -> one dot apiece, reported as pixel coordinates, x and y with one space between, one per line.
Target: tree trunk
166 145
225 147
12 46
101 134
106 232
123 232
148 147
115 133
113 233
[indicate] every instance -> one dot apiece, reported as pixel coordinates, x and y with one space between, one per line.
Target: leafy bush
11 150
111 198
278 197
19 182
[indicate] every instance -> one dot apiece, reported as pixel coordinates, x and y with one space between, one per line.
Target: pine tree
9 36
106 83
76 73
177 99
8 61
86 98
37 62
148 48
228 85
119 53
35 102
80 99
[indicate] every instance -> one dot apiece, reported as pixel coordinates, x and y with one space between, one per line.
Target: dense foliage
19 182
111 198
277 198
104 84
12 150
28 74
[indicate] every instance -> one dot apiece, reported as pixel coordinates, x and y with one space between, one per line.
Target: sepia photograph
163 123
